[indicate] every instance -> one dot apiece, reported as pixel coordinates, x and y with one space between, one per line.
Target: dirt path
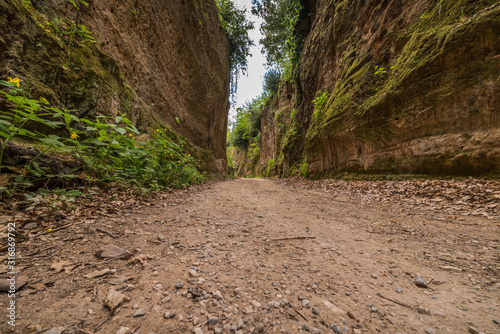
224 247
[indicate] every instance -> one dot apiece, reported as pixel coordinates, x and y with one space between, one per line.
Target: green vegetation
236 26
104 150
247 124
272 81
281 44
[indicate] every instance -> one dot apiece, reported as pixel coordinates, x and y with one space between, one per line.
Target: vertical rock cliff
391 86
163 63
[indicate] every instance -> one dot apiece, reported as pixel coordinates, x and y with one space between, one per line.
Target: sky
250 85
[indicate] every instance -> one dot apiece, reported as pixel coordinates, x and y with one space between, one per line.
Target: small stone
217 295
472 330
451 268
256 304
196 321
179 285
112 251
161 237
336 329
55 330
430 331
306 303
316 310
169 314
218 330
399 290
213 321
420 282
123 330
373 275
139 313
198 330
356 331
260 327
192 273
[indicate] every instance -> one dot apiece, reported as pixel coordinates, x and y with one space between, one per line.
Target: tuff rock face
163 63
407 86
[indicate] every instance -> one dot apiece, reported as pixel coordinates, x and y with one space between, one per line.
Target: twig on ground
293 238
106 232
52 231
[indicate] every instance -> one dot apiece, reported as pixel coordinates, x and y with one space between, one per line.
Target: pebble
260 327
420 282
430 331
192 273
161 237
306 303
218 330
139 313
179 285
112 251
198 330
373 275
123 330
55 330
213 321
336 329
217 295
169 314
399 290
316 310
196 321
256 304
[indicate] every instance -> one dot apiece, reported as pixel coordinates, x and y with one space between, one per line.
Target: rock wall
407 87
164 63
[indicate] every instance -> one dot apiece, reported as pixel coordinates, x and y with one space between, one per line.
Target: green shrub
106 148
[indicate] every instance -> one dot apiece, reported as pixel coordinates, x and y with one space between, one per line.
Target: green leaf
94 141
121 130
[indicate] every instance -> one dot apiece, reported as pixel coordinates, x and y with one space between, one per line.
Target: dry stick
102 322
399 303
51 231
295 309
106 232
293 238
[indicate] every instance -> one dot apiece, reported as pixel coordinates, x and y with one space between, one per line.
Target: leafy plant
379 74
272 79
107 151
319 102
282 44
23 110
236 26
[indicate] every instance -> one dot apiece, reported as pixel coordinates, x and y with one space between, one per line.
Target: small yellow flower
130 135
49 229
189 155
14 80
74 135
44 100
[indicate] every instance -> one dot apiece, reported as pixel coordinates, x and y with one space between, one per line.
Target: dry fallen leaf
98 273
38 286
114 299
59 266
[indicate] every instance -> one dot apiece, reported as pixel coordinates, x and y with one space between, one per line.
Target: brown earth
345 270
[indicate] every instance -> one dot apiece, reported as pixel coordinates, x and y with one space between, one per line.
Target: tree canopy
236 25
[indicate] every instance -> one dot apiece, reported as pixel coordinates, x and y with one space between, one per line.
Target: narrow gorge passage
255 256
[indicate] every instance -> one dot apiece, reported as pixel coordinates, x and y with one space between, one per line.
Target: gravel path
256 256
